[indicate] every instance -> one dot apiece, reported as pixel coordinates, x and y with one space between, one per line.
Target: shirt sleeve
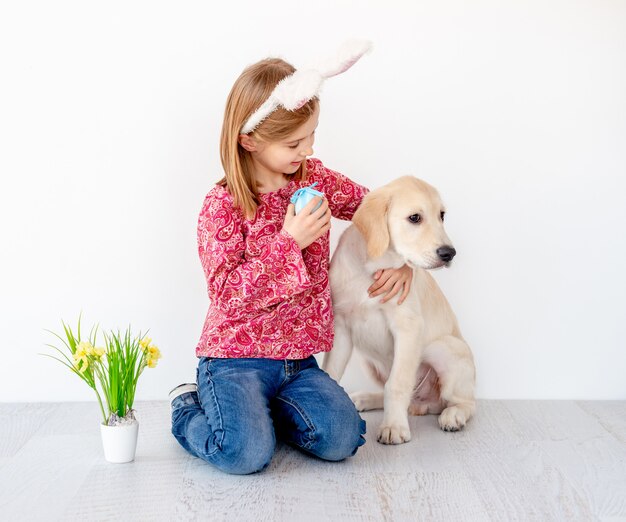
237 283
344 195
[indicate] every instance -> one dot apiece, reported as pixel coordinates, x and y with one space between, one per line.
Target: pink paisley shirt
269 298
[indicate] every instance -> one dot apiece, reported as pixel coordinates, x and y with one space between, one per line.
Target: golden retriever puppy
414 349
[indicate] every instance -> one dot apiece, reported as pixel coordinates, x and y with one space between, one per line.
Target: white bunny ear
268 107
295 90
347 55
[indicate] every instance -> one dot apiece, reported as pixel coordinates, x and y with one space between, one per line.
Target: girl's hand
391 281
306 227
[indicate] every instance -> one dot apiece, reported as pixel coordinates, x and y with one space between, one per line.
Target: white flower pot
119 442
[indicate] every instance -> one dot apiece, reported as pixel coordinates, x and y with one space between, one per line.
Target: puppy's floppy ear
371 220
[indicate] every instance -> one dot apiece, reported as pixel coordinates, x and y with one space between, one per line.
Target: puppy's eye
442 215
415 218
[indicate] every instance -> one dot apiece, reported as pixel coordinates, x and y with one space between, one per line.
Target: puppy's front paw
452 418
394 434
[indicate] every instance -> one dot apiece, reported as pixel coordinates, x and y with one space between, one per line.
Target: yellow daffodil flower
81 363
153 354
83 349
145 343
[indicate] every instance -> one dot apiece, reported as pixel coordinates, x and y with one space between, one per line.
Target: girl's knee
337 442
239 456
237 451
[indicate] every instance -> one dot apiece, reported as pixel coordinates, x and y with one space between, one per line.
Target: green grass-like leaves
112 372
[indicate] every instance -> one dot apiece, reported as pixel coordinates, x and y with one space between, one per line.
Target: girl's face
282 157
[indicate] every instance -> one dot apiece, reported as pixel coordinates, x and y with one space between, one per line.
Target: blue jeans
242 405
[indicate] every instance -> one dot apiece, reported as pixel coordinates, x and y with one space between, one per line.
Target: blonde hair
251 89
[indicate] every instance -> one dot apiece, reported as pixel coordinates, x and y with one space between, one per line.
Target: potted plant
112 373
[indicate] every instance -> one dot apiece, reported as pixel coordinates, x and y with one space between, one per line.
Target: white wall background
110 115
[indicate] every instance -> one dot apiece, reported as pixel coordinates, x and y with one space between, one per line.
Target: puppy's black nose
446 253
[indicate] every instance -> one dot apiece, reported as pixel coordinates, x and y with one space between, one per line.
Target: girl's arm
238 283
343 195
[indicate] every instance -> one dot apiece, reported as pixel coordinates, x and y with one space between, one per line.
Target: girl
267 278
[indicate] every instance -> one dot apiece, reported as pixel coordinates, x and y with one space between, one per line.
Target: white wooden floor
516 460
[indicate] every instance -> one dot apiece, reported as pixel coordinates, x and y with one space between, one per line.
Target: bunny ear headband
293 91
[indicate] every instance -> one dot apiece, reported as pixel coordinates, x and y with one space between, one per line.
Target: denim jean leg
186 411
315 414
236 433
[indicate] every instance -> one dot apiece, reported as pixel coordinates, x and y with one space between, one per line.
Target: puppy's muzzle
446 253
